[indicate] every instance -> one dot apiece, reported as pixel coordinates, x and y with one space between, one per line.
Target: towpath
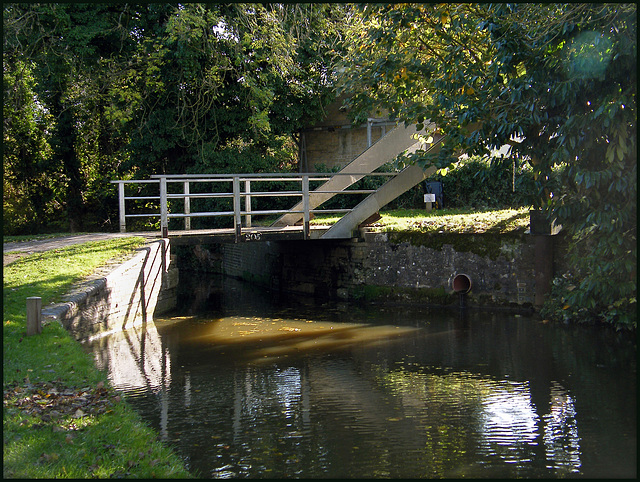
15 250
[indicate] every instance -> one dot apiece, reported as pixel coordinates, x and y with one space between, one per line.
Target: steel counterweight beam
393 188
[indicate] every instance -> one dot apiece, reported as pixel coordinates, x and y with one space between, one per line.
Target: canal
247 383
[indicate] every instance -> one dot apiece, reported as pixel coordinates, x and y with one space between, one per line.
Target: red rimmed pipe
462 285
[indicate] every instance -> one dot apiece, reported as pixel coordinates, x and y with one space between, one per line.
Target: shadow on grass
503 225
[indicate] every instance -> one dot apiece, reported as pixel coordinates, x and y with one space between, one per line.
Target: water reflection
246 396
267 340
561 440
509 423
134 358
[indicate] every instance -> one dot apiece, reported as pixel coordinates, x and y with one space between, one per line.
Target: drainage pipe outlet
461 284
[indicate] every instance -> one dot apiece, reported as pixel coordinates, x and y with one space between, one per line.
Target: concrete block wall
343 268
338 147
129 295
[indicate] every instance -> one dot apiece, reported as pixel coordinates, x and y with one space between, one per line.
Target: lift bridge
293 223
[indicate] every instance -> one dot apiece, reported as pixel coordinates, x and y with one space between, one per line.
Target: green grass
501 221
107 437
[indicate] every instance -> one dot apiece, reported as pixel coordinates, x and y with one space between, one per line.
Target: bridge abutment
121 296
387 266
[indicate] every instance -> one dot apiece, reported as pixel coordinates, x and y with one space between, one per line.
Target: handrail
236 194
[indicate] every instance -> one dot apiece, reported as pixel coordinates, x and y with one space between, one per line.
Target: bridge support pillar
123 218
543 232
305 206
164 208
237 220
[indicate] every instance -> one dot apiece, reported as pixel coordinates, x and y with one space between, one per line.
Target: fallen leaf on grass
49 402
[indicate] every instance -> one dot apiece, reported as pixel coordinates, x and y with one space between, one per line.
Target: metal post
123 218
237 220
34 315
187 206
247 203
164 208
369 142
305 206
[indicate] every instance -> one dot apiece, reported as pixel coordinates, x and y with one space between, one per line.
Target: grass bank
60 417
463 221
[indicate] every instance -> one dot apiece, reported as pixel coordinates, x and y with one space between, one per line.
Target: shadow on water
248 383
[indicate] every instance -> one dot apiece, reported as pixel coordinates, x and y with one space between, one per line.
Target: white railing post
187 206
305 206
164 208
247 203
121 205
237 220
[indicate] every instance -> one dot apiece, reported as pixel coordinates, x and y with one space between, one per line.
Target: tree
28 187
67 45
156 88
219 80
557 82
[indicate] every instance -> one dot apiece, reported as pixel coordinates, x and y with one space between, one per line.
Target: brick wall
128 295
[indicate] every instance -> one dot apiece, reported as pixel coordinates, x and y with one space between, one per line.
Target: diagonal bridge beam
405 180
400 139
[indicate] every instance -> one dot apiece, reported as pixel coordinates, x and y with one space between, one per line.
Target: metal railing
240 188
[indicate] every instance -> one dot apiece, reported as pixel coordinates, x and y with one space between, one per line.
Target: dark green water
250 384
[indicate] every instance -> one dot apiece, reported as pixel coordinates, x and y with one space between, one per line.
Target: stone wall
500 267
126 296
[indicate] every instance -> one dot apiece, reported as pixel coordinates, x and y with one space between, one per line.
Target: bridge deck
238 189
253 234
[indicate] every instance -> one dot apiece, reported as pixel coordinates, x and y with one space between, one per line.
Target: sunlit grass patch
445 220
457 221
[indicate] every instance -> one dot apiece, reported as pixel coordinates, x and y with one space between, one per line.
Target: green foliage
133 90
487 183
28 186
256 77
557 82
572 299
74 52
